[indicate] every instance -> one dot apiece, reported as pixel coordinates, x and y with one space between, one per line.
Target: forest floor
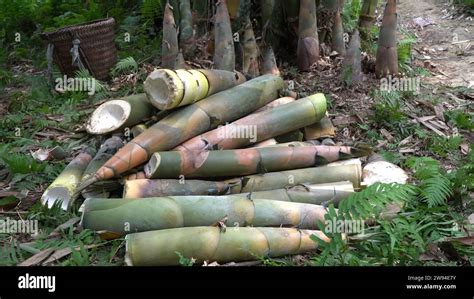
432 122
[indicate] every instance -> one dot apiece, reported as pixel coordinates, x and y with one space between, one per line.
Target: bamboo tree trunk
186 35
224 55
225 163
154 213
140 188
351 67
269 64
387 57
191 121
308 44
116 115
168 89
367 17
169 49
261 126
62 190
158 248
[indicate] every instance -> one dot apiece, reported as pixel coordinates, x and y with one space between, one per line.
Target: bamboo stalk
351 67
387 57
224 55
169 48
140 188
118 114
250 51
154 213
268 142
186 36
318 194
168 89
322 129
334 172
225 163
269 64
265 125
138 129
191 121
63 188
158 248
107 150
308 44
276 103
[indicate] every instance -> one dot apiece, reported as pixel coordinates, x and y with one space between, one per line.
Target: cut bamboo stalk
186 35
263 125
62 190
158 248
191 121
308 44
293 136
224 55
118 114
140 188
110 214
138 129
334 172
387 57
322 129
351 72
167 89
268 142
276 103
318 194
107 150
136 176
226 163
269 64
250 51
169 48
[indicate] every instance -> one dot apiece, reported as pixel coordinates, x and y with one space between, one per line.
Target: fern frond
436 190
126 64
424 167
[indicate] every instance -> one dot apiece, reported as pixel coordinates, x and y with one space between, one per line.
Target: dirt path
446 46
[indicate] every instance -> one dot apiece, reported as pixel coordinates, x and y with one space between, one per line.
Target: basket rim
87 25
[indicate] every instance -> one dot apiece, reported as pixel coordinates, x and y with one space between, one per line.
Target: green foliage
184 261
404 49
350 15
125 65
444 146
461 119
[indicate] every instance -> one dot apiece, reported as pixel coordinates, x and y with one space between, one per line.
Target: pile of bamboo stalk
204 176
213 164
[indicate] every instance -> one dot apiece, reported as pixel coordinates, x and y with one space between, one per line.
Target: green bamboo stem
318 194
334 172
169 48
186 35
191 121
118 114
308 44
158 248
266 124
224 55
351 67
140 188
154 213
225 163
167 89
63 189
387 57
106 151
322 129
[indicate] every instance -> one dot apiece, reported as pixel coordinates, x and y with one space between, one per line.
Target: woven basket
96 47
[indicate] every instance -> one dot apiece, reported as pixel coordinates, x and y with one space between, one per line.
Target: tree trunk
169 49
387 57
308 44
224 55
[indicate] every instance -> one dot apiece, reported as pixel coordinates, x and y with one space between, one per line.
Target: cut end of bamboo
57 194
164 89
151 167
108 117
